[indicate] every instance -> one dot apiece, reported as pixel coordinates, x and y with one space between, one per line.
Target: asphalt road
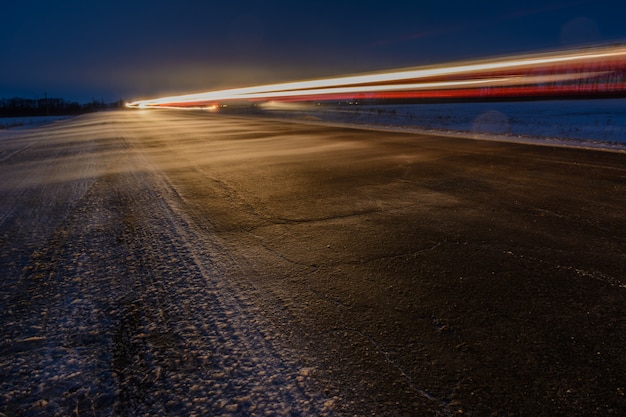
179 263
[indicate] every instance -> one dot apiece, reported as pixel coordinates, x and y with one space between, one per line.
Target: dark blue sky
133 49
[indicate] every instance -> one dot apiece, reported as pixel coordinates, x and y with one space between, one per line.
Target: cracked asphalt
180 263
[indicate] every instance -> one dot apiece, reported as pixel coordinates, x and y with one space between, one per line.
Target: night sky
110 50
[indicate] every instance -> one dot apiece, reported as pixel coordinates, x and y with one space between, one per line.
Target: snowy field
597 123
584 123
28 121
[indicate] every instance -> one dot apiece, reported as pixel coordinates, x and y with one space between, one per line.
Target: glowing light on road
593 70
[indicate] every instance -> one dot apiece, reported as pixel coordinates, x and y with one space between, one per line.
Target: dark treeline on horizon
48 106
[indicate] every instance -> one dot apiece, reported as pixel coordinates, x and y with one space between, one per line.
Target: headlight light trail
597 70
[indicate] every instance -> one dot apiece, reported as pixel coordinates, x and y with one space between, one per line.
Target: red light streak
599 70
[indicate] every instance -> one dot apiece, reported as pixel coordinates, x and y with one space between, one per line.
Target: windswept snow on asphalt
185 263
112 303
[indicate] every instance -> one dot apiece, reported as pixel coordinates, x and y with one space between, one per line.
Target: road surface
180 263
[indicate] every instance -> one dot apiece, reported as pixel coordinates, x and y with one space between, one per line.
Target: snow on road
121 294
113 303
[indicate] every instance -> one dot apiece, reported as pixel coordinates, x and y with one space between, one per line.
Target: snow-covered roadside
584 123
28 121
